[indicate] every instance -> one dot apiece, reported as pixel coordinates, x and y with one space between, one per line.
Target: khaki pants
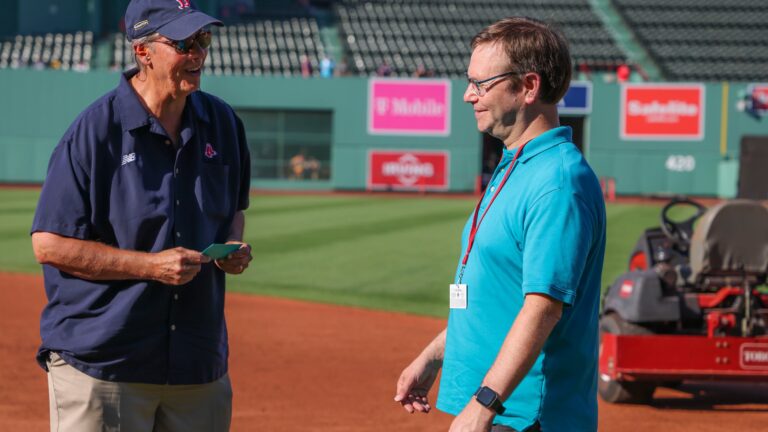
80 403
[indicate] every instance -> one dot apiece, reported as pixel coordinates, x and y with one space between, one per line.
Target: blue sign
578 99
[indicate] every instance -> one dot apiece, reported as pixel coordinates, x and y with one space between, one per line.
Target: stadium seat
436 33
702 39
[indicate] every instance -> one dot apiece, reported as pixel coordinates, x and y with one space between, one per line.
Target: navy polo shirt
116 178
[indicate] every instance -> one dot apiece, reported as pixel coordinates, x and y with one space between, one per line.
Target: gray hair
142 41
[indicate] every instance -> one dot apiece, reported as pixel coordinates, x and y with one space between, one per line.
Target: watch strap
488 398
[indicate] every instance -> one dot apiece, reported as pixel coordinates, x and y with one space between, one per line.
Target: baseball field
344 290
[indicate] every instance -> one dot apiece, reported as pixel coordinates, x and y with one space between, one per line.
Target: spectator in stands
342 69
585 73
326 67
421 71
306 66
519 352
133 335
384 70
623 73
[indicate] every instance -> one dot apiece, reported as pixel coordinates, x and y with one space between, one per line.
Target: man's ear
142 54
531 83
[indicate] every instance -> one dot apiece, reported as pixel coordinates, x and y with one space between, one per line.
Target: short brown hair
533 46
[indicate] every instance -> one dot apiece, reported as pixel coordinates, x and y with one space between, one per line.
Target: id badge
458 294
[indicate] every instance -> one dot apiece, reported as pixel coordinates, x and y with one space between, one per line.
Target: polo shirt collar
543 142
133 115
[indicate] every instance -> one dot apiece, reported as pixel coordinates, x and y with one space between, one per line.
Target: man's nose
469 94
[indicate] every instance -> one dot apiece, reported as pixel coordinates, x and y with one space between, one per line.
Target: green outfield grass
381 252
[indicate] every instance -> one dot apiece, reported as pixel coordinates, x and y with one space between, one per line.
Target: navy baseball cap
174 19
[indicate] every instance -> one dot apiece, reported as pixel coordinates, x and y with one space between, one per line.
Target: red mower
693 305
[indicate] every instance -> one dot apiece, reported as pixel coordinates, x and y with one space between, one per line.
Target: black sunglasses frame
202 39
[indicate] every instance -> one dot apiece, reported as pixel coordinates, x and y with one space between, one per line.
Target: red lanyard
475 222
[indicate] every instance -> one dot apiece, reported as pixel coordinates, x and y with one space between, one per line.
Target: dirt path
301 366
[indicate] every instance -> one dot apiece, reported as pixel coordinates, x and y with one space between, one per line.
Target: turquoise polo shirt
544 233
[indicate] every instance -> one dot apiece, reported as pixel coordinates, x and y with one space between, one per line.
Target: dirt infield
300 366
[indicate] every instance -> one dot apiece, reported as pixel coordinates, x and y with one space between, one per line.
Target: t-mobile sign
409 107
408 170
662 112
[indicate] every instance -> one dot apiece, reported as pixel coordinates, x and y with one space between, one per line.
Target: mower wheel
623 391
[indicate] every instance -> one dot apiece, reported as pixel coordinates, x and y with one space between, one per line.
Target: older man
133 335
520 349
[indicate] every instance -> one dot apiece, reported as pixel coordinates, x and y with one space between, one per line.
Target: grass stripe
381 252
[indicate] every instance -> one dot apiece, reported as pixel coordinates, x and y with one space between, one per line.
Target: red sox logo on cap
183 4
209 151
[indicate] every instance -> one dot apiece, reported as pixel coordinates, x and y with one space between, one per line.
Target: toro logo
409 107
754 356
404 170
662 112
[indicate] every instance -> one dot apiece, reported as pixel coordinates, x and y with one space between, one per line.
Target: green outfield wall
38 106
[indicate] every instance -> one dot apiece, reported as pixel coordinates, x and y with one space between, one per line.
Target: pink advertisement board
409 107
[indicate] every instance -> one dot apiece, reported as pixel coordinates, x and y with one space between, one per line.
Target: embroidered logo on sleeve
209 151
130 157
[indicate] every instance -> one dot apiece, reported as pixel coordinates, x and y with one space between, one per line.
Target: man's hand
237 261
414 384
473 418
177 266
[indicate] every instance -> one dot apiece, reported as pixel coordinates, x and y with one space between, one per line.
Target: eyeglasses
479 89
201 39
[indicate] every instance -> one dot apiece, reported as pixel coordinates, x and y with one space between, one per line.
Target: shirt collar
541 143
133 115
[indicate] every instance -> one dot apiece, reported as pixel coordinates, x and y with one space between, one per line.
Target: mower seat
730 240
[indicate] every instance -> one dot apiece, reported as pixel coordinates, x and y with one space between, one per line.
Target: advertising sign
578 99
408 170
409 107
662 112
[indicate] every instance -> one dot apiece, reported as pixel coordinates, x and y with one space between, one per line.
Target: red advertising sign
408 170
754 356
662 112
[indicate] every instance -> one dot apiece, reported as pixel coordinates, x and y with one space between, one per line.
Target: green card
220 250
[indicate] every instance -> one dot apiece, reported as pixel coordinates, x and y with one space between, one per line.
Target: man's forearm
523 343
89 259
237 228
435 351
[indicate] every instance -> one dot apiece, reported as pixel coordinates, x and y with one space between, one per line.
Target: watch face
486 396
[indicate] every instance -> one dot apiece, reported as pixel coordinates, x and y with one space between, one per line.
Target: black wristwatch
489 399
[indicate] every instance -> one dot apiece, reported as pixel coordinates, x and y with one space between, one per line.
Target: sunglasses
201 39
